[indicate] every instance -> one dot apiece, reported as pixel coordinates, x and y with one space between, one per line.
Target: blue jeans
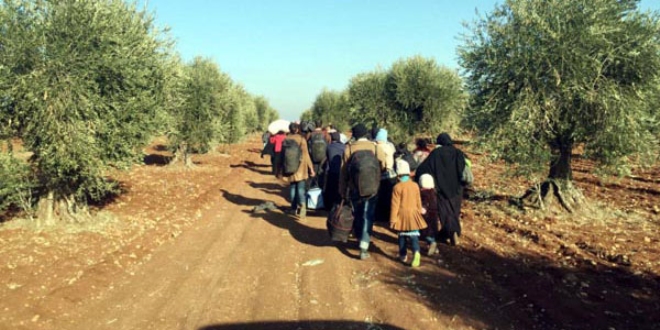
297 194
364 212
414 241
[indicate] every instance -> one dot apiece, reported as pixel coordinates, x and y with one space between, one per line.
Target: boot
303 212
433 249
364 254
453 239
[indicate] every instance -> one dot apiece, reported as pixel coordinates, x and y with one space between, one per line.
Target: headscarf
444 140
343 138
381 136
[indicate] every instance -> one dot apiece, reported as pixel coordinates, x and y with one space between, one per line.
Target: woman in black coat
445 164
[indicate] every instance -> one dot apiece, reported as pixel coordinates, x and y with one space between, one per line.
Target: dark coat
335 152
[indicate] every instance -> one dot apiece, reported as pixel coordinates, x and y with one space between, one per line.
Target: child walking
430 204
407 213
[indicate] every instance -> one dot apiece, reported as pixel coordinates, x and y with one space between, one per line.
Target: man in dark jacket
364 208
445 164
333 168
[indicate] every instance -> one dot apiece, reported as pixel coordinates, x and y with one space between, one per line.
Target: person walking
407 213
333 169
295 149
388 177
430 204
318 151
445 164
362 165
421 151
276 159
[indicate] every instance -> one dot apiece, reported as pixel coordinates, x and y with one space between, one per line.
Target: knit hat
381 135
402 167
359 131
426 181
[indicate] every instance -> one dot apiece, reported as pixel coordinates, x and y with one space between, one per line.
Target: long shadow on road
301 325
299 231
498 291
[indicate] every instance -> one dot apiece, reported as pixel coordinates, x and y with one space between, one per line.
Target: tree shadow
157 160
251 166
301 325
278 189
240 199
110 197
596 182
296 227
530 291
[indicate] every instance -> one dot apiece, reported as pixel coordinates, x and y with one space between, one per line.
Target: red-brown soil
180 249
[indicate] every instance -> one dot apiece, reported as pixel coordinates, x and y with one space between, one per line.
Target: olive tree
332 107
546 76
204 94
370 103
428 96
85 79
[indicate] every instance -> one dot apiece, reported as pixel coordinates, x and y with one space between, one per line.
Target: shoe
453 239
403 259
433 249
291 212
364 254
417 258
303 212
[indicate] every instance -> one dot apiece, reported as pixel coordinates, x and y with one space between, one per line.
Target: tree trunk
45 208
558 188
182 155
560 165
52 209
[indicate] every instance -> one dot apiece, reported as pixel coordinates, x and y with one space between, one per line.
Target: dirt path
232 269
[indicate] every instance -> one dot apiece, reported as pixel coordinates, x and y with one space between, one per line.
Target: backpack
292 156
364 172
466 177
318 148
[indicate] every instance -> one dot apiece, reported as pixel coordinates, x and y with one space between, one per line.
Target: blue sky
289 51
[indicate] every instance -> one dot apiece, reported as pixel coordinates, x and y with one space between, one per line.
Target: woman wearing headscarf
388 178
445 164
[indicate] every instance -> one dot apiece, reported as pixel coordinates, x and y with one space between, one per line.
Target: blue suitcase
315 199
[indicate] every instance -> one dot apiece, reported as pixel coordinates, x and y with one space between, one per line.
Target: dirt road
225 267
234 267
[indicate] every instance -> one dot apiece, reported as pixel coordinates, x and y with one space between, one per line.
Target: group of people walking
419 193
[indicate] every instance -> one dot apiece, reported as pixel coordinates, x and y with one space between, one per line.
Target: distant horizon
289 51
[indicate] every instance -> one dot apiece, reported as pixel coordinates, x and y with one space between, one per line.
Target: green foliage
306 115
82 96
236 128
428 96
332 108
16 183
547 75
204 93
414 96
264 112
